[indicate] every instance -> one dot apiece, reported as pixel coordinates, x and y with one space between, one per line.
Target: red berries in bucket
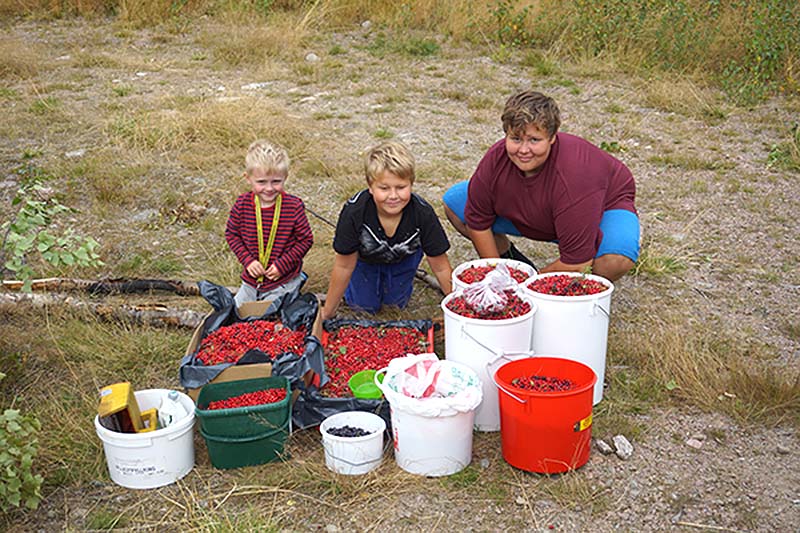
261 397
566 285
474 274
514 307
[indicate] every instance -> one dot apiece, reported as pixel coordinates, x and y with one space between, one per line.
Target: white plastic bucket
493 261
353 455
437 445
574 327
152 459
475 343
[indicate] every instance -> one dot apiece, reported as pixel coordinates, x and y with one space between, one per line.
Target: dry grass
19 59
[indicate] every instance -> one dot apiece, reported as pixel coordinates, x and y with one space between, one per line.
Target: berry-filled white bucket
573 327
493 262
476 343
353 455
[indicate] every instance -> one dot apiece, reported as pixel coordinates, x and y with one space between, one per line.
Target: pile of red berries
259 397
477 273
566 285
543 384
352 349
227 344
514 307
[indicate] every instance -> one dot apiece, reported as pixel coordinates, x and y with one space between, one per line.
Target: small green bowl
362 385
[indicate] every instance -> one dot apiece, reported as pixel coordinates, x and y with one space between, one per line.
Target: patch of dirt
707 199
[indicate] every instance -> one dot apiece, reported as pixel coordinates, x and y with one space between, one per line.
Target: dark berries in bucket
474 274
542 384
566 285
348 431
515 306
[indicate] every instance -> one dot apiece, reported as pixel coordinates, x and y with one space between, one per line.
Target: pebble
330 528
603 447
783 450
484 463
520 500
367 24
694 443
311 57
75 153
624 448
257 85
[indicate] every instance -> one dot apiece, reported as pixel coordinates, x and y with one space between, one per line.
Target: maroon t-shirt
564 201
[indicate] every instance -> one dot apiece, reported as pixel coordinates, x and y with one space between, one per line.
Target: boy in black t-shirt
381 235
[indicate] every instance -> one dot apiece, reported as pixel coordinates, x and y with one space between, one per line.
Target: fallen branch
106 286
145 314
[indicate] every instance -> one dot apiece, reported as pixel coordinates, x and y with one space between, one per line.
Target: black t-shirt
359 230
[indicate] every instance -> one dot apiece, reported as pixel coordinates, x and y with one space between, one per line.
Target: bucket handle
479 343
507 356
386 445
520 400
599 307
379 384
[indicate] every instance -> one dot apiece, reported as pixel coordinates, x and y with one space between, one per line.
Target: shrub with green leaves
18 446
30 233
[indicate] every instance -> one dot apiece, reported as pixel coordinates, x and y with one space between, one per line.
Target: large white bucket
574 327
476 343
493 261
353 455
436 445
152 459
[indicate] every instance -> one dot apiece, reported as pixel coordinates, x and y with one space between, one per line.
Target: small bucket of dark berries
353 442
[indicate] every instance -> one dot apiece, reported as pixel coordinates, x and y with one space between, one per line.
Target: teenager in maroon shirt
549 186
279 271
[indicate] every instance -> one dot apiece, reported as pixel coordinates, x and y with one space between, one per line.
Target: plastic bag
489 294
457 387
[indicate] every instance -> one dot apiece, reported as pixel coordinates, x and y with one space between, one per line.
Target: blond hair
264 155
531 107
391 156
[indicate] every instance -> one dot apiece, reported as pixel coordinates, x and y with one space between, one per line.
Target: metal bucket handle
596 306
491 374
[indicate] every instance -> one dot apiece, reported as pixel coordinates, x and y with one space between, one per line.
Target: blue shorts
620 227
374 285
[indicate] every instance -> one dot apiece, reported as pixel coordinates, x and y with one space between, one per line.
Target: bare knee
612 266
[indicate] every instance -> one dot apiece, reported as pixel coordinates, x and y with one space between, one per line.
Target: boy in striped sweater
267 228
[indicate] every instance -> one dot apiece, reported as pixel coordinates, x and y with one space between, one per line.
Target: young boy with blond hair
382 233
267 228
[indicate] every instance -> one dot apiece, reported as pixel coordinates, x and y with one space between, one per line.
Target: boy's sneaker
516 255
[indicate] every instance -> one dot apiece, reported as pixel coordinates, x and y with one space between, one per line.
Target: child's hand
272 273
256 269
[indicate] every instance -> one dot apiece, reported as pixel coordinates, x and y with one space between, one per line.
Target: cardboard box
255 370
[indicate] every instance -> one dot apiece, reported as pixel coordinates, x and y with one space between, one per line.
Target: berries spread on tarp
348 431
351 349
543 384
566 285
228 343
259 397
515 306
477 273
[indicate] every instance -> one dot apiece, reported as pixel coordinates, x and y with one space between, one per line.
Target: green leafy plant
30 233
18 447
510 23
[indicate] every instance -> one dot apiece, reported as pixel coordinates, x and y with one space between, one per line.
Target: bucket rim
366 414
584 387
523 294
183 424
559 298
519 265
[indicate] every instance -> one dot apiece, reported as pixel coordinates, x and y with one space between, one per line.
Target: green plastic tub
227 452
243 422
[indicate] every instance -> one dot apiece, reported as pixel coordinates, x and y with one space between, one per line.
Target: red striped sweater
292 240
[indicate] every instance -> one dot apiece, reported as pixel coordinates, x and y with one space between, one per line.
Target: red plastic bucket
546 432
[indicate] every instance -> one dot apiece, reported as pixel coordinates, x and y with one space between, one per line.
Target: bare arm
343 266
560 266
484 242
440 265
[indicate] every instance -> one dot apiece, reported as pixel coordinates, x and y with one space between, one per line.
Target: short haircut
392 156
531 107
264 155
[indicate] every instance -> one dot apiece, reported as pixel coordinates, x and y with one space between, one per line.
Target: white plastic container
438 443
476 343
493 261
353 455
574 327
152 459
170 410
